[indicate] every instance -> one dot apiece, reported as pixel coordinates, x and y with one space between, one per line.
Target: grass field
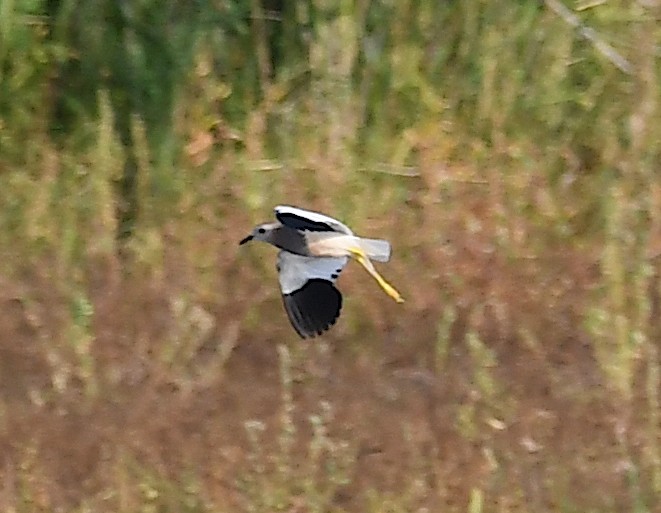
511 159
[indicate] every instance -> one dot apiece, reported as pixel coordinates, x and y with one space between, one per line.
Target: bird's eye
261 230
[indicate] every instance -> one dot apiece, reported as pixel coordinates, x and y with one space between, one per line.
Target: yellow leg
362 259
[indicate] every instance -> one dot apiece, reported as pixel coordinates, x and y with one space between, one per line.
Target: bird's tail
376 249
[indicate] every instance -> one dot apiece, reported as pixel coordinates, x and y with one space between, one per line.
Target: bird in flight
314 248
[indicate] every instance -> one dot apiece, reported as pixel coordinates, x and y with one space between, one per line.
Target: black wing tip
299 222
314 308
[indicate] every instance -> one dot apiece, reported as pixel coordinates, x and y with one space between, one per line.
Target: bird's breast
290 240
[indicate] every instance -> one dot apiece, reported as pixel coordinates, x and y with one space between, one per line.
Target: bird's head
260 232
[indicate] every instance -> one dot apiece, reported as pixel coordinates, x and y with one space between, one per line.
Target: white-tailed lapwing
314 249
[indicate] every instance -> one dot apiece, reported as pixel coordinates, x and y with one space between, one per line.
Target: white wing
309 295
295 270
307 220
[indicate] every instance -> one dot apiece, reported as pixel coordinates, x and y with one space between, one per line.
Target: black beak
247 239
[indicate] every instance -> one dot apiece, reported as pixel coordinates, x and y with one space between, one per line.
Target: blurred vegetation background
509 150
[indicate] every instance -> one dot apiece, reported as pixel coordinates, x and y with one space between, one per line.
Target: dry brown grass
483 390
